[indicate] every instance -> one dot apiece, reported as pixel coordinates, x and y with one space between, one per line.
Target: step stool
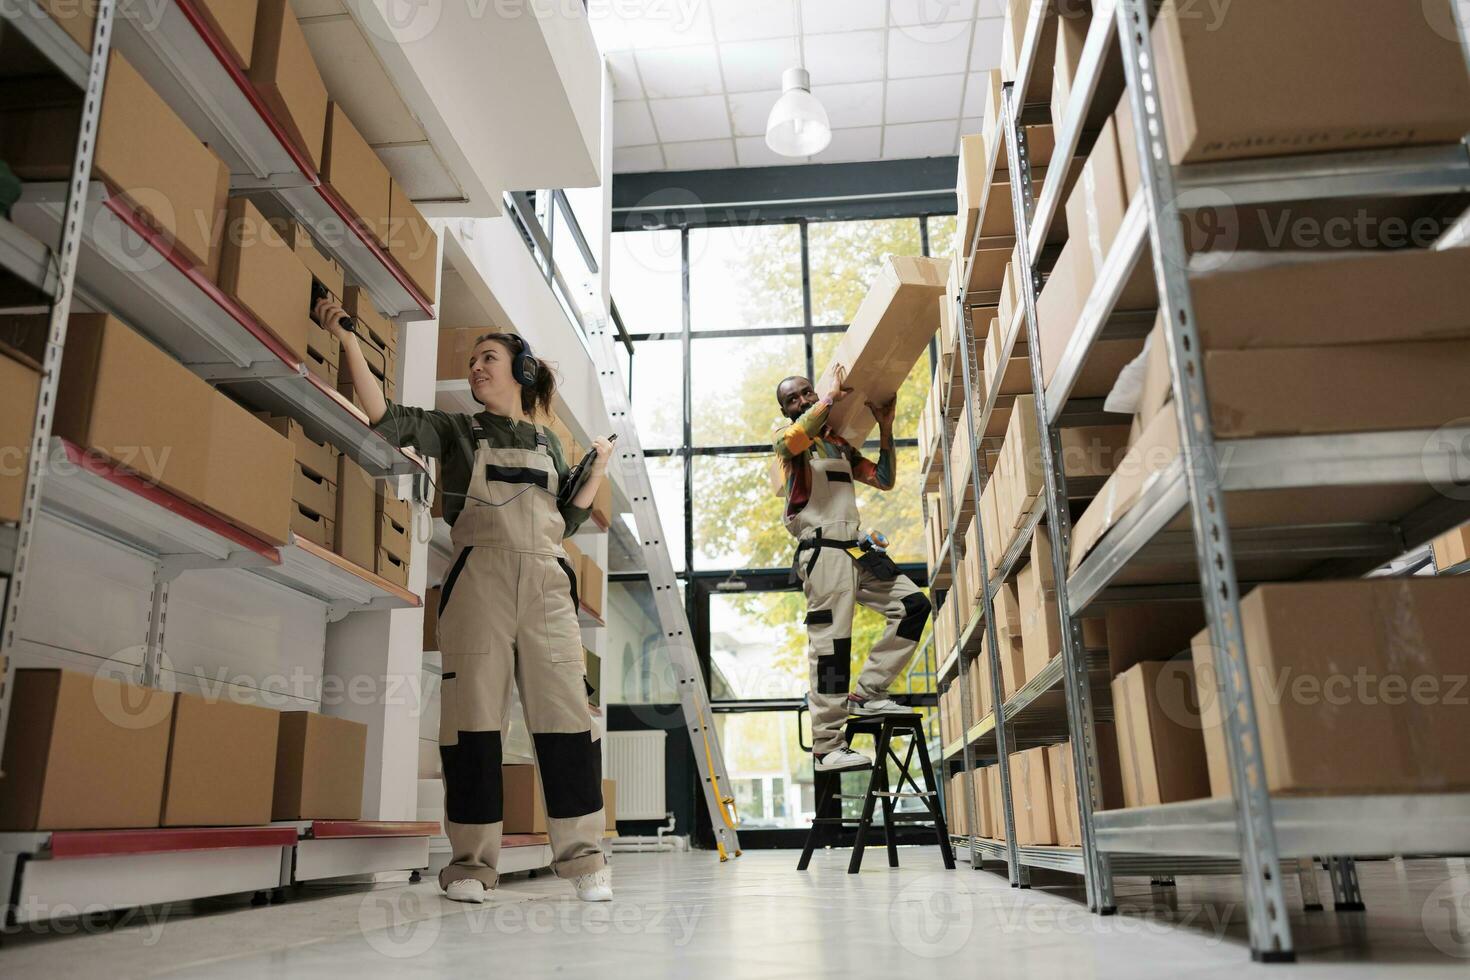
883 728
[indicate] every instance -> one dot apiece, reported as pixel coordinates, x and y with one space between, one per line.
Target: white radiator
635 760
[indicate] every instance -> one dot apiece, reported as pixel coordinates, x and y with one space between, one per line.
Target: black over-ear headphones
525 365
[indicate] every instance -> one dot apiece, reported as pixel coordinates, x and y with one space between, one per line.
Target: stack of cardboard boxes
377 338
313 483
20 384
591 580
181 760
525 804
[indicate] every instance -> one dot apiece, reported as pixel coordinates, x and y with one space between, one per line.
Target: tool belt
876 563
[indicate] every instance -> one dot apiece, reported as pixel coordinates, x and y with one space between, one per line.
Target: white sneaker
595 887
466 890
877 706
841 760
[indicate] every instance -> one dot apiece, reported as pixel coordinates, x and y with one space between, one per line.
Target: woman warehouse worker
506 608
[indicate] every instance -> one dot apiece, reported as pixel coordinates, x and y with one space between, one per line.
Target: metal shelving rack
106 258
1253 834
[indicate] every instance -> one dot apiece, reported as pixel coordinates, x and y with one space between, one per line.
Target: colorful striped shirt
808 435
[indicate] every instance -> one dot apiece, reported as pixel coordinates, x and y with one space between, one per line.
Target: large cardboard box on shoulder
261 270
221 763
889 332
1452 548
145 154
1393 74
174 429
20 384
1372 667
83 752
1161 747
286 76
319 767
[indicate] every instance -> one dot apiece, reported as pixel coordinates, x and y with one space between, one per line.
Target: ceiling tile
747 20
831 16
701 118
851 145
752 151
922 99
751 66
677 72
852 104
985 48
624 72
991 8
911 55
856 56
657 25
925 139
905 12
632 125
749 111
700 155
637 159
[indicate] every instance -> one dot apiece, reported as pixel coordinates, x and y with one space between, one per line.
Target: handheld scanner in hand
580 474
319 293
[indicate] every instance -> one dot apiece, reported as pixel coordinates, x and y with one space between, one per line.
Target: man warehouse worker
838 565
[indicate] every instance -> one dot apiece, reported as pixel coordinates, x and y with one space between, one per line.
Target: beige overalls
833 581
506 610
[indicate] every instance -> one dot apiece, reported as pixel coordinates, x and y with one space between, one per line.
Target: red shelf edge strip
133 483
329 829
71 844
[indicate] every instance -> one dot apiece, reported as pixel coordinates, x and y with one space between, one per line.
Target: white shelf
25 257
128 270
91 493
179 55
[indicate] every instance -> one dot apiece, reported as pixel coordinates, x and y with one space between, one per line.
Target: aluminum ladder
672 618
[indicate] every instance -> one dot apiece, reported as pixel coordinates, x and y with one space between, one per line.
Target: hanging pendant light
797 126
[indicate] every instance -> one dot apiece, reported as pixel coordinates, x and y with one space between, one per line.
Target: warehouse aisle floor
683 915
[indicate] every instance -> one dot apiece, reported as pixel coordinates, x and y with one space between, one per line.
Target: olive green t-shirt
450 438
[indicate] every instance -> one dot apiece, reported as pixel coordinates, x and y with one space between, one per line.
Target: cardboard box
1093 451
1016 378
20 384
610 805
412 243
889 332
591 585
985 812
525 808
312 525
319 767
1150 454
959 811
353 170
1058 311
175 429
1009 640
431 617
1371 664
1072 28
260 270
325 370
287 79
1391 75
83 753
1041 630
1160 744
1452 548
356 521
324 269
392 568
602 503
1095 212
324 343
969 189
394 538
993 778
1013 39
1152 631
378 331
78 20
145 154
1128 147
221 764
1031 786
316 458
317 494
1063 775
233 23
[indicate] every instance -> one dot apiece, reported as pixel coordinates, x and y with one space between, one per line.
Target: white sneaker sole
863 712
820 767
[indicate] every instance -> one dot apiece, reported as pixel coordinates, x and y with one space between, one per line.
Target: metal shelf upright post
37 24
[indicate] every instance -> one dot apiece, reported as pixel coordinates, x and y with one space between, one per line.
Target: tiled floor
685 915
